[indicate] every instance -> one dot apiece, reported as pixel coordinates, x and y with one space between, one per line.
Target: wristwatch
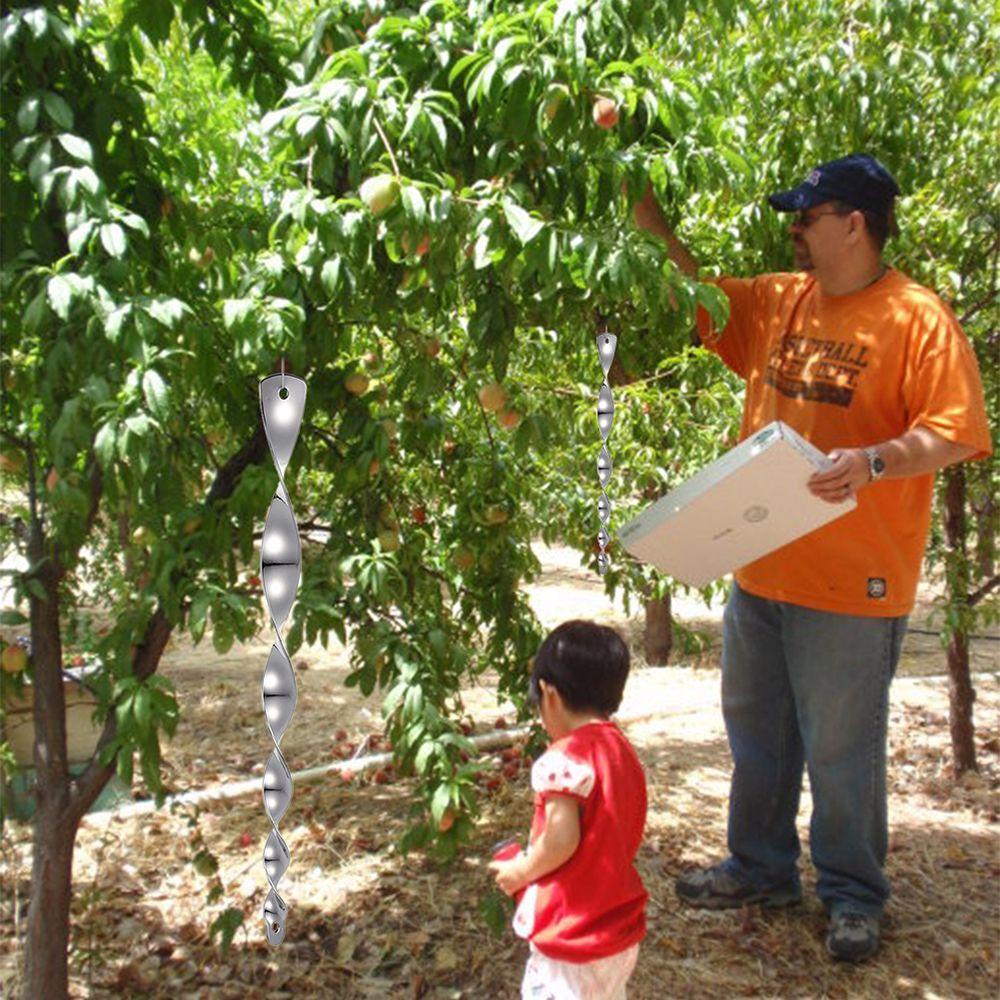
876 466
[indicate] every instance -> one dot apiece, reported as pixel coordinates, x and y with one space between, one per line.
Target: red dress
594 905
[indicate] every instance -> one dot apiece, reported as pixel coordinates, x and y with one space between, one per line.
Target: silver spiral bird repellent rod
282 404
606 344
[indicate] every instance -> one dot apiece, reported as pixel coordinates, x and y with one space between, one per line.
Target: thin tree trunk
961 696
63 801
988 517
658 638
47 934
960 691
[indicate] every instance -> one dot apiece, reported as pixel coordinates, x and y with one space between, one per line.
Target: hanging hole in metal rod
606 344
283 393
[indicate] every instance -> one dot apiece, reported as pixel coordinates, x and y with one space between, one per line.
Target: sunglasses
804 221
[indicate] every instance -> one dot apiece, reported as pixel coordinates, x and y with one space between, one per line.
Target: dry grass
366 922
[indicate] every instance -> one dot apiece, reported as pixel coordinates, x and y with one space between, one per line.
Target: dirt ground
367 922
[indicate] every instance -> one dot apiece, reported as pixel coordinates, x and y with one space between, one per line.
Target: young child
582 903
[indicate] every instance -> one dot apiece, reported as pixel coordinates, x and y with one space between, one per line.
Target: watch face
878 465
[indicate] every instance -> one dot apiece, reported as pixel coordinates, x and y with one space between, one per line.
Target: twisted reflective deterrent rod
606 344
282 403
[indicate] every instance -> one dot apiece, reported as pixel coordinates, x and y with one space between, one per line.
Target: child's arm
553 847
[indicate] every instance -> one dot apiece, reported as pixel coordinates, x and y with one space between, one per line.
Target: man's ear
859 225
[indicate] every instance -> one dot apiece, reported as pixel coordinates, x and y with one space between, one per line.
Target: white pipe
356 765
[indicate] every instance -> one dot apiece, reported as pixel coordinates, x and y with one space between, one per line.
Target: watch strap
876 464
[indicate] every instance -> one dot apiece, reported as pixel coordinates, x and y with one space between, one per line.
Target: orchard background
425 212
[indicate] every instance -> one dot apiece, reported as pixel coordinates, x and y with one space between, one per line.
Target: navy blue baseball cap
858 180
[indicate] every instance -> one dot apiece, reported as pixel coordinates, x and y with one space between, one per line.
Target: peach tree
424 211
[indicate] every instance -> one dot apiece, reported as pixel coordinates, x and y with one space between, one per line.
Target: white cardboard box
749 502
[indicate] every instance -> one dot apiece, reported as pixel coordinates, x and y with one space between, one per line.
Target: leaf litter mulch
366 922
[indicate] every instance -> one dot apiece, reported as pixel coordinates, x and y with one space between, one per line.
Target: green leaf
155 18
138 424
524 226
225 925
413 203
235 311
38 20
60 295
440 801
330 275
155 390
76 147
306 125
205 863
714 299
58 110
141 709
113 324
438 133
198 615
125 760
167 311
495 909
104 444
113 239
27 114
12 618
89 180
423 757
41 162
136 222
367 679
80 236
580 45
222 641
415 837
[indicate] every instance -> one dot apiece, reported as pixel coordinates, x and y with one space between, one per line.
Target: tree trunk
988 517
63 801
46 972
658 639
961 696
47 938
960 691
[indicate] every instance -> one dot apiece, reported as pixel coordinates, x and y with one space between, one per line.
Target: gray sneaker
715 889
853 936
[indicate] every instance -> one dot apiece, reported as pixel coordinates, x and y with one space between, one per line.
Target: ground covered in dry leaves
368 922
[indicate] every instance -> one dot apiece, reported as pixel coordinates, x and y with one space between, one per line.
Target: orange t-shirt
850 371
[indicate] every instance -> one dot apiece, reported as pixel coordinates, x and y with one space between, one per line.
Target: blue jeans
805 687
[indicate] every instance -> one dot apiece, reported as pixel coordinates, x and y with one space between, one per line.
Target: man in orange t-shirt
875 370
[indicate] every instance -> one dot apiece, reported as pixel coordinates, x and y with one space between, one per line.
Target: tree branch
21 443
977 595
385 142
978 307
85 788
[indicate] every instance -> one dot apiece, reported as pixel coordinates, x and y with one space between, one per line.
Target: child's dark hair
586 663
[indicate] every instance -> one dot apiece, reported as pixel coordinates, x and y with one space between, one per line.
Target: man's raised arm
649 216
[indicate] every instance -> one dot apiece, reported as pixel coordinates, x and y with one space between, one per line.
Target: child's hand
510 875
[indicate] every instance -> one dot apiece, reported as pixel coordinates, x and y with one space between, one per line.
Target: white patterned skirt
603 979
